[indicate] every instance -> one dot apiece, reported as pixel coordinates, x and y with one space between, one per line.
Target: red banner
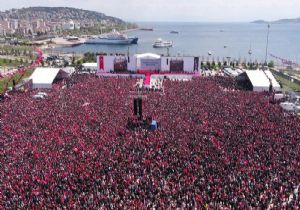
101 62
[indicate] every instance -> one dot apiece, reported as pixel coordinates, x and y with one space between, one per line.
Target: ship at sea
159 43
113 38
146 29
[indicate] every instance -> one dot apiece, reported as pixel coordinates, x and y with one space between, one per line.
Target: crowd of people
216 148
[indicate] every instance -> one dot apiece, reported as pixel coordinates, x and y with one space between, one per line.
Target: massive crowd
216 148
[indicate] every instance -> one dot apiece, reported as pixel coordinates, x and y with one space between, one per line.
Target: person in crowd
216 148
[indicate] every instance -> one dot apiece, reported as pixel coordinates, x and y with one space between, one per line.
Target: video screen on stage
176 65
120 64
150 64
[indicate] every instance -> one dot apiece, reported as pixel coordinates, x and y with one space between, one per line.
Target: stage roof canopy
148 56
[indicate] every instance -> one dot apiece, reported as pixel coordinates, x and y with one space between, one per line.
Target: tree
213 64
208 64
66 63
219 64
271 64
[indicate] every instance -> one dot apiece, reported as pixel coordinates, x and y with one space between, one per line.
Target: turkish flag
101 63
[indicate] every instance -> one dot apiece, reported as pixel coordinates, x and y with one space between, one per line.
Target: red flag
101 63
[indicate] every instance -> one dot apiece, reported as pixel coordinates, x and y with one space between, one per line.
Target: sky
177 10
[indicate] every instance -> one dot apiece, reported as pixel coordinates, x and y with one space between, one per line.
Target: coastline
59 42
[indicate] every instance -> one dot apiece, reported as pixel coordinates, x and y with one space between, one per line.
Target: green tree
73 61
78 62
271 64
219 64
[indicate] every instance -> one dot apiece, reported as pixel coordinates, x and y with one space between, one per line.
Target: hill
291 20
55 13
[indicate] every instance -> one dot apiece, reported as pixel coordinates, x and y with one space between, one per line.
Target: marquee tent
260 80
148 61
44 77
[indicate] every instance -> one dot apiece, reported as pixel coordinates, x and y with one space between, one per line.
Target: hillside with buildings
53 20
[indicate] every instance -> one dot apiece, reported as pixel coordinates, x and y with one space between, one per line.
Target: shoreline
59 42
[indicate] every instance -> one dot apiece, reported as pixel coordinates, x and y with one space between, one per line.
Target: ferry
113 38
159 43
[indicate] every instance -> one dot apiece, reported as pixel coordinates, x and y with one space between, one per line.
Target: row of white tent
261 80
44 78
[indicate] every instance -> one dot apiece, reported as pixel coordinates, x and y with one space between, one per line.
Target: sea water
211 40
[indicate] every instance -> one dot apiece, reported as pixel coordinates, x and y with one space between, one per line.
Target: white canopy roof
44 77
90 65
275 84
148 56
261 80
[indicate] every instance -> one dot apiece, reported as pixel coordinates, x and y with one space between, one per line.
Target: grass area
12 62
15 49
287 84
16 77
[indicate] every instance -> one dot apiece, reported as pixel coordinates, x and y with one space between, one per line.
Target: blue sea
221 39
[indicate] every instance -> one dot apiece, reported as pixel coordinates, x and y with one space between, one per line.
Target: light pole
267 45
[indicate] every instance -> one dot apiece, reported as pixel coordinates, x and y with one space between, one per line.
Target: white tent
69 69
275 84
147 56
93 66
261 80
44 77
148 61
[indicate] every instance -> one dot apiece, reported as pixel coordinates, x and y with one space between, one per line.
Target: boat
113 38
72 38
134 40
159 43
174 32
146 29
250 51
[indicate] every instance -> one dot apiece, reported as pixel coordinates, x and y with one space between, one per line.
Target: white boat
114 38
72 38
159 43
